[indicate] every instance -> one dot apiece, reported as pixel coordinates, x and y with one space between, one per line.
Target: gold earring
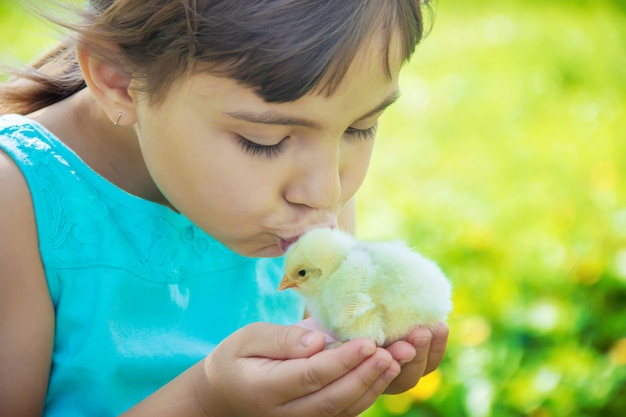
117 121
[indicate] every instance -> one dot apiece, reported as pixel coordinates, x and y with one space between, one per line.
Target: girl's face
256 175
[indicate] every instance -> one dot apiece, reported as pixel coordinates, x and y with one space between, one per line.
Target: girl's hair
283 49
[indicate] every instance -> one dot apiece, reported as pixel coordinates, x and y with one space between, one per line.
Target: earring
117 121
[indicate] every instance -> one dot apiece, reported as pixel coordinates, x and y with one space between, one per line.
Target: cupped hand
271 370
419 353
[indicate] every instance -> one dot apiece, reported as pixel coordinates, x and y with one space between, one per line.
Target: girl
155 167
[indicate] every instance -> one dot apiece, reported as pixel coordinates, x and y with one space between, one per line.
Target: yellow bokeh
427 386
618 352
397 404
473 331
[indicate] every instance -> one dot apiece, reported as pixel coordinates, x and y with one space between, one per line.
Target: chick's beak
286 282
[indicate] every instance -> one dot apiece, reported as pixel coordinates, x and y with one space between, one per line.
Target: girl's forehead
362 97
378 61
381 56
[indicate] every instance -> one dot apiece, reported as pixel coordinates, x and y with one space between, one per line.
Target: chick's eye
302 272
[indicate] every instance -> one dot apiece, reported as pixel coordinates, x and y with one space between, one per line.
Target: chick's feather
377 290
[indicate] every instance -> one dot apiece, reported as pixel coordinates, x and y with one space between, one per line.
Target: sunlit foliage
504 160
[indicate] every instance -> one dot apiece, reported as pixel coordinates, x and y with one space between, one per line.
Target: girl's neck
112 151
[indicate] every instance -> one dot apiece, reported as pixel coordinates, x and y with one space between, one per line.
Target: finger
438 346
376 390
353 392
420 339
402 351
305 376
276 342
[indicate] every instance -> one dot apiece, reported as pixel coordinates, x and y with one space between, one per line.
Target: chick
366 289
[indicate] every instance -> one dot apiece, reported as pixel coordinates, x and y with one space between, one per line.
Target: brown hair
283 49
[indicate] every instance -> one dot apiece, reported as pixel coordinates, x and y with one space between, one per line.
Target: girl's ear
110 84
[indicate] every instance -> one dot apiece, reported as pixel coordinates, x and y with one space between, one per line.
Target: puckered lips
286 243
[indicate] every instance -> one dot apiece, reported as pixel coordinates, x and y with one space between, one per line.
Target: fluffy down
377 290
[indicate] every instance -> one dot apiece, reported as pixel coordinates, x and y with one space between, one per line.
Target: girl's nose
317 179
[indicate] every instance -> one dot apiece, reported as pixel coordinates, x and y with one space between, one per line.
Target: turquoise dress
140 293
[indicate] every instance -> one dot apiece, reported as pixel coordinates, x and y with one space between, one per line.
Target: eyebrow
273 117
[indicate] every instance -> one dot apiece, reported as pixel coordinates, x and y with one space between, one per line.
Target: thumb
314 325
278 342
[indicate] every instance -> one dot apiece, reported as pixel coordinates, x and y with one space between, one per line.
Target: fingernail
390 374
405 361
421 337
368 350
440 327
421 342
308 338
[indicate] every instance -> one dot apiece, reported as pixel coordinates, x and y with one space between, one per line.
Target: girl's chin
274 251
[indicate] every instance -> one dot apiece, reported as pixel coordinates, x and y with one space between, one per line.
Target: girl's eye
363 134
255 149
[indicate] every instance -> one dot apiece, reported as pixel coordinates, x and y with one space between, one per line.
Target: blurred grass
503 160
22 36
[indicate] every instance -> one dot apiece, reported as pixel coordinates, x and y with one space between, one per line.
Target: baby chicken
364 289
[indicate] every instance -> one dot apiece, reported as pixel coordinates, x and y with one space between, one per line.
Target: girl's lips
286 243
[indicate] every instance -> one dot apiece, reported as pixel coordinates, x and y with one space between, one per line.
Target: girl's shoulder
17 220
16 211
18 240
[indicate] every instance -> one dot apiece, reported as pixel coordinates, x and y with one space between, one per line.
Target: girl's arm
26 312
267 370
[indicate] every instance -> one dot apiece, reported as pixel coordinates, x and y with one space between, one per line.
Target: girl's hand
419 353
271 370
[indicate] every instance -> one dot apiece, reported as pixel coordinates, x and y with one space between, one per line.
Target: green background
502 161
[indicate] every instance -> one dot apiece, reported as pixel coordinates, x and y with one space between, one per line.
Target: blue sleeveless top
140 293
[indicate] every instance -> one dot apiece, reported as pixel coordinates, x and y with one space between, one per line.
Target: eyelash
254 149
271 151
363 134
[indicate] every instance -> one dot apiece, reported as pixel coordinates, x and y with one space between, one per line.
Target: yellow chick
377 290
